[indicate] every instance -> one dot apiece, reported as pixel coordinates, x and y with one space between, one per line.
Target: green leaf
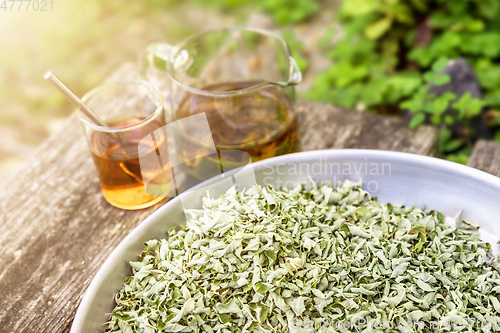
465 225
420 5
224 318
475 26
373 93
447 144
463 101
416 120
414 105
437 79
435 119
298 306
444 136
420 243
440 20
475 107
418 229
422 235
345 73
264 313
359 49
424 56
423 285
355 8
452 145
440 105
229 307
440 64
377 29
458 158
261 288
492 98
406 83
448 120
468 106
289 12
488 8
271 255
402 12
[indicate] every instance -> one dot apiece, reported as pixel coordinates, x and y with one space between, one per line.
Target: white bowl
398 178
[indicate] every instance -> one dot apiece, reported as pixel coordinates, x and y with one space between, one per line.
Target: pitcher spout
295 73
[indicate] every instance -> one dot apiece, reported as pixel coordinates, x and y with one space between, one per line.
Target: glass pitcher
243 80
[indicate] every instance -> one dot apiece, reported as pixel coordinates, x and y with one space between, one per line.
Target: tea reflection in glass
261 124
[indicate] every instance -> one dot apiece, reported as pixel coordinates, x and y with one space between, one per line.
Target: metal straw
74 99
90 114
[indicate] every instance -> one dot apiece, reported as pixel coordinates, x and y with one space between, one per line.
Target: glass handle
152 65
160 50
295 74
156 56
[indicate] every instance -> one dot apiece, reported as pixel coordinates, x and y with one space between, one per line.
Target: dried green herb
310 261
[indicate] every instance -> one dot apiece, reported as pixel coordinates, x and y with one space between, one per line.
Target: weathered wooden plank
56 229
486 157
326 126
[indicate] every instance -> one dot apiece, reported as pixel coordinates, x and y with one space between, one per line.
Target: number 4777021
26 5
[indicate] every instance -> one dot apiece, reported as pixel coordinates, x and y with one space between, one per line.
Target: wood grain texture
486 157
326 126
56 229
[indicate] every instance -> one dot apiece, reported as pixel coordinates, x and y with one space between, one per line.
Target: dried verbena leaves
265 260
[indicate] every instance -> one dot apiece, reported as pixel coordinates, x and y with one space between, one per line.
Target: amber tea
117 162
259 123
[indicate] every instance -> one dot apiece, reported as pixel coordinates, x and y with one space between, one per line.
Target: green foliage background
384 57
393 51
